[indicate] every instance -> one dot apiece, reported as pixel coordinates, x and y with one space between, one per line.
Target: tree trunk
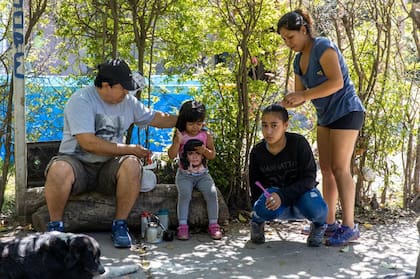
417 165
7 145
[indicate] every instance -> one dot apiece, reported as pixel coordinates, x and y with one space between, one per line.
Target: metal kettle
153 233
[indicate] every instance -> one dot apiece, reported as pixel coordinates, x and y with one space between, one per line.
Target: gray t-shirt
86 112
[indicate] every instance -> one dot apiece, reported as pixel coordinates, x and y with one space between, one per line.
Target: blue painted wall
46 97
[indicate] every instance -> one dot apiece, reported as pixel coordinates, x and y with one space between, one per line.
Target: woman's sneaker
183 233
331 229
257 233
343 236
214 231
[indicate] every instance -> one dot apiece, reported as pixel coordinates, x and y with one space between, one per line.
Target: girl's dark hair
280 110
191 111
295 20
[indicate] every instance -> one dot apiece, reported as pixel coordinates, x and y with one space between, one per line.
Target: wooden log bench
95 211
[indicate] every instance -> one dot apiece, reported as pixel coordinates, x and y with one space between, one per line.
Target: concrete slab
381 252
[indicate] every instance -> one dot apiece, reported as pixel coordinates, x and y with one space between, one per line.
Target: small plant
9 206
166 170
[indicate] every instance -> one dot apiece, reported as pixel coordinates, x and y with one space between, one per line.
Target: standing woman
321 76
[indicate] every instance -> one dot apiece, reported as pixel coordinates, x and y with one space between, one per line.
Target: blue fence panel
46 98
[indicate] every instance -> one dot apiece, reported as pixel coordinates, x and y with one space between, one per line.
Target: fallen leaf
368 226
145 264
140 250
242 218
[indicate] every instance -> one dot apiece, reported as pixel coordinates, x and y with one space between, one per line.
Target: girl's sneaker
316 235
183 233
257 232
214 231
343 236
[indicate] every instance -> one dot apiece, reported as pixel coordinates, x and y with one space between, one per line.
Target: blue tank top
338 104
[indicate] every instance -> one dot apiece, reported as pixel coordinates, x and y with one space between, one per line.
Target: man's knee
60 172
130 166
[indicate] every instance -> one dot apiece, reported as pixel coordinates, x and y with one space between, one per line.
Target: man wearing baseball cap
117 70
93 155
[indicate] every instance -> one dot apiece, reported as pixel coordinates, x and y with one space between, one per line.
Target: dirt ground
383 251
388 248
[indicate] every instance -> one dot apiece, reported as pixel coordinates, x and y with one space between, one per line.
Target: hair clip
195 104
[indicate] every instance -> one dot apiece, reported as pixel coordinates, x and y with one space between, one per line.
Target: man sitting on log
92 155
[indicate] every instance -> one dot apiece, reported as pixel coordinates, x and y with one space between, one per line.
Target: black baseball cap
118 71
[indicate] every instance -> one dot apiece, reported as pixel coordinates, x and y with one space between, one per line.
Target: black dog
50 255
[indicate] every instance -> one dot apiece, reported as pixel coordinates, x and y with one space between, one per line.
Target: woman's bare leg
342 146
329 186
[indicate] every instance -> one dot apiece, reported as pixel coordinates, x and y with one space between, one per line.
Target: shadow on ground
381 252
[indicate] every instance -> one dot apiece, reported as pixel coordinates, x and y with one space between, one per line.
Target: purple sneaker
331 229
343 236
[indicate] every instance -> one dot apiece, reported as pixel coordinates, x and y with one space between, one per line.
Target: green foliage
8 208
189 33
375 38
166 170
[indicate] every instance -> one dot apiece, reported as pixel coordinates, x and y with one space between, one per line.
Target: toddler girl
194 145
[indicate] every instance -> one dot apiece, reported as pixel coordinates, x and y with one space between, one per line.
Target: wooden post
19 105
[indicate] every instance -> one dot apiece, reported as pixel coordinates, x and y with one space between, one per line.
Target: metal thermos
145 216
163 215
153 233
